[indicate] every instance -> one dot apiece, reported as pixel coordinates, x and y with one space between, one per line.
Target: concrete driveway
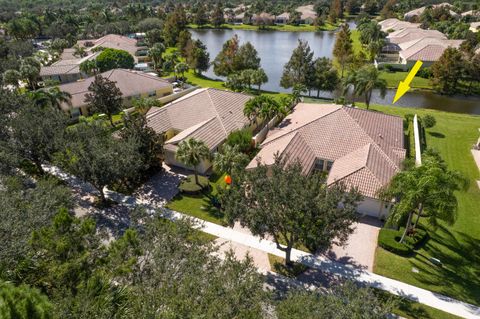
360 247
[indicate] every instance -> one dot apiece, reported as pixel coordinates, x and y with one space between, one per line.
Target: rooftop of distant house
129 82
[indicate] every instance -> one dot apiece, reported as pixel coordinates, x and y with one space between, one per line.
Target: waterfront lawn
285 27
457 246
394 78
200 205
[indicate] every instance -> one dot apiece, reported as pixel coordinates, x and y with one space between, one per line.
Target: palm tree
364 81
229 159
58 97
192 152
181 68
51 98
12 77
264 106
30 71
79 51
155 53
89 67
426 190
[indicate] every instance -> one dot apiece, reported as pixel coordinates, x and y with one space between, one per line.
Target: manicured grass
200 205
287 28
457 246
410 309
394 78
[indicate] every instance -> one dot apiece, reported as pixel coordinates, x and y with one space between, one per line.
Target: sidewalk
321 263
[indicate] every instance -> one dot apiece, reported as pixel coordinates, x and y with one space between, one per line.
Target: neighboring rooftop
396 25
366 147
129 82
426 49
474 26
410 34
207 114
419 11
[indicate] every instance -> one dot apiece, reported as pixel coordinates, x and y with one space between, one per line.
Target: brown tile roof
207 114
71 66
410 34
426 49
396 25
366 147
419 11
129 82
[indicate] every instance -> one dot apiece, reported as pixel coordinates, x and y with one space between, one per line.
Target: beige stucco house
360 148
67 69
132 84
209 115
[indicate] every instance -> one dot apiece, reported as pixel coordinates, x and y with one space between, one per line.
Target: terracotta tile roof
426 49
207 114
410 34
354 139
396 25
419 11
129 82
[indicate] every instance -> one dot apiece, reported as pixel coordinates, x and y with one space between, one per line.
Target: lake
275 48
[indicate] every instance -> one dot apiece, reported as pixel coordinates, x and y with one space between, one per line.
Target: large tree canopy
282 202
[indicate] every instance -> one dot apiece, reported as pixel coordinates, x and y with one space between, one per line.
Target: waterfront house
362 149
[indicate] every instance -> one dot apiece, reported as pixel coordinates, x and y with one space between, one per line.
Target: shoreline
281 28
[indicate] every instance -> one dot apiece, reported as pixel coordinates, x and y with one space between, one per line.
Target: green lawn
457 246
200 205
392 78
288 28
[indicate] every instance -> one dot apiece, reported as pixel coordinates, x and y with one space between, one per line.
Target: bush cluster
389 239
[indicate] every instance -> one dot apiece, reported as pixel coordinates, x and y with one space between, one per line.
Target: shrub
113 59
429 121
242 138
425 73
189 186
388 240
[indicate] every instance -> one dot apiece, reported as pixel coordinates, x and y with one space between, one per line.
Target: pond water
275 48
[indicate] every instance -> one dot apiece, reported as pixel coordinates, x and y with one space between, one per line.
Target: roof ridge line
371 138
199 126
307 123
216 112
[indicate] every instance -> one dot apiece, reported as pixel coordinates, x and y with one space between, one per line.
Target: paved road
321 263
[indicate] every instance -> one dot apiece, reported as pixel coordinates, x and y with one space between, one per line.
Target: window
329 166
319 164
75 113
153 93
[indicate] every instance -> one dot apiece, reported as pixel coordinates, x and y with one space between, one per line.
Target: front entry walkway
318 262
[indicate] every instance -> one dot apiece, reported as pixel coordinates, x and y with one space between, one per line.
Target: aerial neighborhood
239 159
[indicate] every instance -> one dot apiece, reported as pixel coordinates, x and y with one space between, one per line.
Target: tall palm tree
50 98
427 191
155 53
364 81
12 77
192 152
264 106
229 159
181 68
89 67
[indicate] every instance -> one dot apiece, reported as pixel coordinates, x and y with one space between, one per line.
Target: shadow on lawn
459 276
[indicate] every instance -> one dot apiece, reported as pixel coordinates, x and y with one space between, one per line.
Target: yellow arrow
404 86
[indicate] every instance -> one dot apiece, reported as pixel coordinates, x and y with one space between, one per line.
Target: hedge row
389 239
